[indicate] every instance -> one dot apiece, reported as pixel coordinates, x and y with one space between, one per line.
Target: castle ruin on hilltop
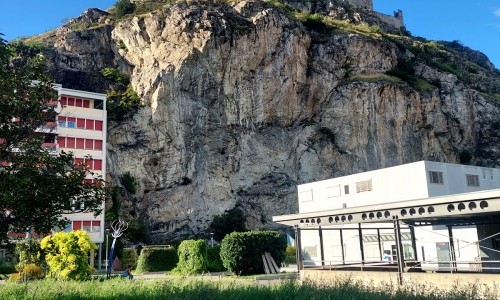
396 20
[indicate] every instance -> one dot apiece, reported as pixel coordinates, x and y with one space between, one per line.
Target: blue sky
476 23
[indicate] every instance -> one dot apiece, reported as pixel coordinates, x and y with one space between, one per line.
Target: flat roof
467 208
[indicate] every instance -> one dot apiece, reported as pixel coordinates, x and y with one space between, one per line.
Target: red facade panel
89 144
98 125
89 124
86 103
70 142
80 123
97 164
98 145
64 101
77 225
61 141
71 101
78 102
80 143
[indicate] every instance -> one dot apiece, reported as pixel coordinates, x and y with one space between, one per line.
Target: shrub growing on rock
154 259
241 252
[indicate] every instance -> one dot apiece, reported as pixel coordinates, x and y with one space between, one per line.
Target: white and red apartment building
81 129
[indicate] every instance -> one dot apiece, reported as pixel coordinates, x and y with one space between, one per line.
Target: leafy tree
36 187
231 220
67 254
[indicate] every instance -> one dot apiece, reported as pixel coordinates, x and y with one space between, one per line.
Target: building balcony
49 127
51 147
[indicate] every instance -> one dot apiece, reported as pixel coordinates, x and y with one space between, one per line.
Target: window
86 103
310 251
64 101
89 226
98 104
71 101
436 177
364 186
472 180
346 189
78 102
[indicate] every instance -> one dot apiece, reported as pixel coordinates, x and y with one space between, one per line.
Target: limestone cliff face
242 103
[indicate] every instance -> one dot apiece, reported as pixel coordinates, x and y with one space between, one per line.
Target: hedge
192 257
241 252
129 258
154 259
214 263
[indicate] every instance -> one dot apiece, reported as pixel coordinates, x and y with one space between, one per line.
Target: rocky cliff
242 101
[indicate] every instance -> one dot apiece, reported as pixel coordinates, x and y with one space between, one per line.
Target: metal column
399 249
452 249
321 250
380 245
298 250
413 242
361 248
342 246
99 260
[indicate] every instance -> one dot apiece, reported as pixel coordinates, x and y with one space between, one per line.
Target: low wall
445 281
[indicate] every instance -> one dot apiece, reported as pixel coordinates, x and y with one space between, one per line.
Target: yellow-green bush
67 254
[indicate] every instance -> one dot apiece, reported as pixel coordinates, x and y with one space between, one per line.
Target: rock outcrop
242 102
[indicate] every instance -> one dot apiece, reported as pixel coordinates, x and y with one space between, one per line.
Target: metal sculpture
118 227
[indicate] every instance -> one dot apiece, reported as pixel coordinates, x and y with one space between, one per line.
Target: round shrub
129 257
241 252
214 263
154 259
192 259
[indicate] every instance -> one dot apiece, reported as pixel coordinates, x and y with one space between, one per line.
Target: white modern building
437 216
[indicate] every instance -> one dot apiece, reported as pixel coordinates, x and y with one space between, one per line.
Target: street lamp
107 258
212 239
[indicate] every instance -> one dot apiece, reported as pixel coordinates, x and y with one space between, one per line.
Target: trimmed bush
214 263
129 258
241 252
154 259
192 257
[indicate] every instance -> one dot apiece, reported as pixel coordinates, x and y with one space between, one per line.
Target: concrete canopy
459 209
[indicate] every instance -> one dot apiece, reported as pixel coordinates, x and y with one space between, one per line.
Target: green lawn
196 288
